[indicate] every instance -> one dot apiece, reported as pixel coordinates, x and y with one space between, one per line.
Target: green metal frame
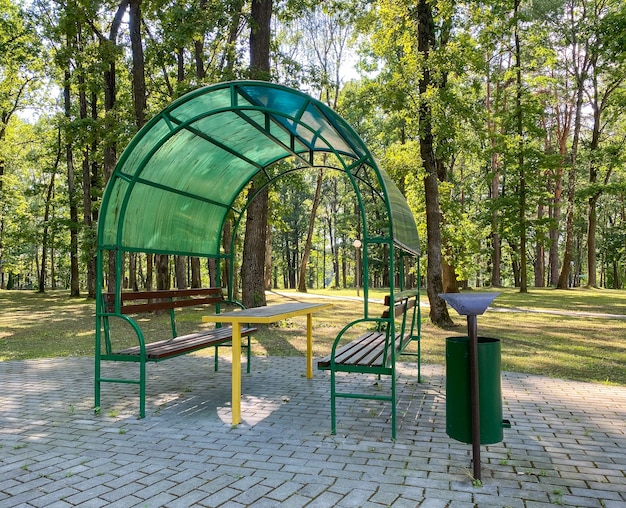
177 182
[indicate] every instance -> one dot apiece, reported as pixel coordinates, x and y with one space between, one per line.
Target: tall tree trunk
227 236
496 242
212 267
555 216
196 277
426 38
46 218
230 52
520 155
253 265
540 263
180 269
110 95
140 105
309 236
268 259
71 195
2 166
564 114
88 246
448 273
138 67
580 62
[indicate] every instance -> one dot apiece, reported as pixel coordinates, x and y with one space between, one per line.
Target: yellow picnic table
263 315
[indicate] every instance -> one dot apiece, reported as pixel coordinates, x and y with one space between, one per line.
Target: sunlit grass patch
566 346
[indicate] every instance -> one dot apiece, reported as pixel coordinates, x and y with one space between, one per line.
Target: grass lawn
568 346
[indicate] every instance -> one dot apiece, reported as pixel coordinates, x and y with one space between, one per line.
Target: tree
19 51
253 265
426 41
607 73
579 62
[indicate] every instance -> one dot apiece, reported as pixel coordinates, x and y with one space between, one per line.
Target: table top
268 314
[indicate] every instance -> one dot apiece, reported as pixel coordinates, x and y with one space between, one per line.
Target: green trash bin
458 395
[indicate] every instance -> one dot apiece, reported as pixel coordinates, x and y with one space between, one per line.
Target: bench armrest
107 332
377 321
236 303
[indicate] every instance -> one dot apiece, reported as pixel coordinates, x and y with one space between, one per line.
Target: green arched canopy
179 179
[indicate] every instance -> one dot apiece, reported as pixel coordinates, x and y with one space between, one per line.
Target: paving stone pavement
566 446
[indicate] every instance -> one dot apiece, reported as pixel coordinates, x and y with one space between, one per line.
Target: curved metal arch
307 125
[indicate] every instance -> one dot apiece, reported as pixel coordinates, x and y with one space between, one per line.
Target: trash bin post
472 305
472 331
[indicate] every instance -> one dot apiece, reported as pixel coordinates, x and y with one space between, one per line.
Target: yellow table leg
236 381
309 345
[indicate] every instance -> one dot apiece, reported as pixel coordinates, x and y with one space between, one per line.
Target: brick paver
567 444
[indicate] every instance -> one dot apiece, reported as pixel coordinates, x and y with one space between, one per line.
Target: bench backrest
135 302
140 302
403 305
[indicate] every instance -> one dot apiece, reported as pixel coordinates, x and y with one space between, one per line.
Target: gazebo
178 182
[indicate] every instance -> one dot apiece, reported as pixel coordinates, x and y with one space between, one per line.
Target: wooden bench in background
376 351
133 303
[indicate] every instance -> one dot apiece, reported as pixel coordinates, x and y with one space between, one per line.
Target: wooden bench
132 303
376 351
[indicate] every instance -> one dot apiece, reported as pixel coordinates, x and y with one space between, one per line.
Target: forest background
501 121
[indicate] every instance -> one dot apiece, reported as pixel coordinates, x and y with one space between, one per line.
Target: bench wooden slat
166 305
366 342
399 308
164 293
363 350
185 343
179 298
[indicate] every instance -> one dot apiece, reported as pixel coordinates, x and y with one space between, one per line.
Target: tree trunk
163 271
520 155
496 242
593 199
309 236
140 105
138 67
230 52
149 271
563 126
71 195
46 218
563 282
89 247
196 277
448 273
540 263
227 241
580 67
438 309
555 216
268 259
253 265
110 95
180 269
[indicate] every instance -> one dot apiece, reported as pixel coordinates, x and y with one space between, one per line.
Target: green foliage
474 117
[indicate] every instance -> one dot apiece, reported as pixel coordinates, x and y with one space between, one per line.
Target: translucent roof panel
180 176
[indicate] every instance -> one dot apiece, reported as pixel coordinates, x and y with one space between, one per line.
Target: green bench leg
333 414
248 355
142 389
96 397
393 404
419 361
